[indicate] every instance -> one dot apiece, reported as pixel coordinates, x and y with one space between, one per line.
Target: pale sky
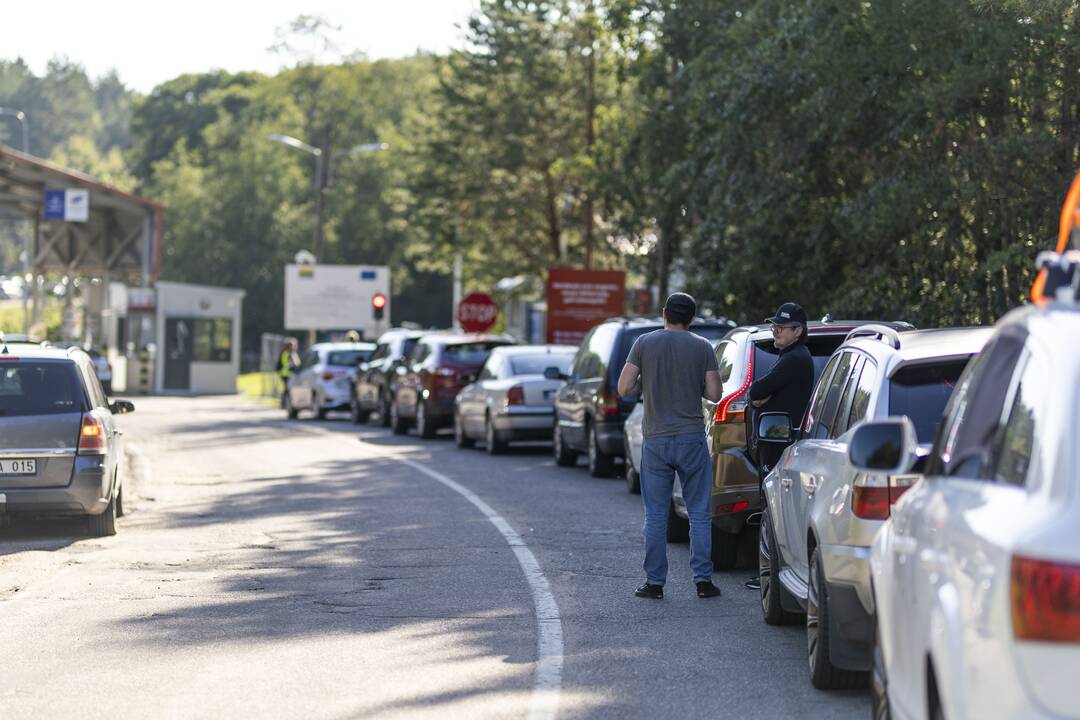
150 41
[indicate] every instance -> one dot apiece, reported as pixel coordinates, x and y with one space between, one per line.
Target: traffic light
378 305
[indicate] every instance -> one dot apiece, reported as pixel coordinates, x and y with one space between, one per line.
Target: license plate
18 467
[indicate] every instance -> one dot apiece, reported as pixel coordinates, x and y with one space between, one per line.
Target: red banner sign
578 300
477 312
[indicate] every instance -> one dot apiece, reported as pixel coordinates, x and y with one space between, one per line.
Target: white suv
976 577
820 513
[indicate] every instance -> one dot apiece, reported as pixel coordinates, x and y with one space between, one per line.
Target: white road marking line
544 704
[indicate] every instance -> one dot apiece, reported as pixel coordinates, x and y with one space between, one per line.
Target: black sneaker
753 583
705 589
650 591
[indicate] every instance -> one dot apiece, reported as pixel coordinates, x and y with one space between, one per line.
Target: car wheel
678 527
771 589
320 411
633 477
461 438
495 444
359 417
5 521
879 682
384 412
424 427
398 424
105 523
564 456
823 674
290 410
120 501
725 549
600 463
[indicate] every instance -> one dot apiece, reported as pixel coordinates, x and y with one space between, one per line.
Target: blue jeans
662 457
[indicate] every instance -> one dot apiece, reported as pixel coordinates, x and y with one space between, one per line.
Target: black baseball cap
681 303
788 314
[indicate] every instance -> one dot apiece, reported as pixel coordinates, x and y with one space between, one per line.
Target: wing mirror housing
887 446
553 373
118 407
774 427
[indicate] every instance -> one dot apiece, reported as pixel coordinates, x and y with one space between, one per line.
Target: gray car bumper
86 494
524 423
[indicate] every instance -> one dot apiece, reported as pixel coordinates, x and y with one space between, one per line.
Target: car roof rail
881 332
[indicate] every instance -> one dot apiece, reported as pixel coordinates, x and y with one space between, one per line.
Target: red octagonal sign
477 312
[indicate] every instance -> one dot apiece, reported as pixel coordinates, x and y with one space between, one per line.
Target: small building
197 339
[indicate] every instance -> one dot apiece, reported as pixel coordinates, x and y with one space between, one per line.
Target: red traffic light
378 301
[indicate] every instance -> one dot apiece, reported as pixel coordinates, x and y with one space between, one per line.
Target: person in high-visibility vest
287 365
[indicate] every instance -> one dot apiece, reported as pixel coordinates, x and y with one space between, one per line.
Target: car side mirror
118 407
884 446
774 427
553 373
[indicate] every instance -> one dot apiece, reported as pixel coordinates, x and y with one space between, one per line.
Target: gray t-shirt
673 364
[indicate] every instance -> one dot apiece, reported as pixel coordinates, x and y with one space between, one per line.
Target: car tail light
515 395
609 403
733 507
328 375
1045 600
873 494
725 413
91 436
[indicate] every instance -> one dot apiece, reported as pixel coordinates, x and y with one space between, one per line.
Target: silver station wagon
61 452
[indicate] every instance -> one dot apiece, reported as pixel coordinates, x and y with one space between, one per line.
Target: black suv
374 382
589 414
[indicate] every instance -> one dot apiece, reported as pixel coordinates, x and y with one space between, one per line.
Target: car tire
290 410
384 412
120 501
633 477
398 424
725 549
823 674
359 417
771 589
678 527
601 465
424 427
5 521
879 682
320 411
104 524
564 456
461 438
495 444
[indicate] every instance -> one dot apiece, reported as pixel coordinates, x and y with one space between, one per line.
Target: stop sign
477 312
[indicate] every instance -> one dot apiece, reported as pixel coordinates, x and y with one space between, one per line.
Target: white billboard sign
336 297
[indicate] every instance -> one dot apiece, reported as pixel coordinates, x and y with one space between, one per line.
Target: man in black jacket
788 384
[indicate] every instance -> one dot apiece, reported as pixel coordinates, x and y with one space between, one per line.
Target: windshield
474 353
537 364
39 388
921 392
348 358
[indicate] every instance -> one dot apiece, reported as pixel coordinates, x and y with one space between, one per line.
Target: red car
438 368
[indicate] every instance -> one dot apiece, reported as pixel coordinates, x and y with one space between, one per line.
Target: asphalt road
318 569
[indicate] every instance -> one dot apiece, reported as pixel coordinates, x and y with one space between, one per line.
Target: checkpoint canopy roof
120 236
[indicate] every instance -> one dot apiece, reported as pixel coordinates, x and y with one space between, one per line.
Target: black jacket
788 384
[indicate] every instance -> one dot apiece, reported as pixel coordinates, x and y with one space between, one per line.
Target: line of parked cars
922 520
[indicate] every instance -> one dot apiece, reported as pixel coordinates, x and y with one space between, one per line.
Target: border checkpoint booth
86 228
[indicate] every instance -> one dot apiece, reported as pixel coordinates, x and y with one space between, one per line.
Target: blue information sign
54 204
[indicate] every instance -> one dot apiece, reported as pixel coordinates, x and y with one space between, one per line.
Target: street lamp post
21 117
321 182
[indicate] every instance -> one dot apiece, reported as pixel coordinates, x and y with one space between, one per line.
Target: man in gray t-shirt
673 369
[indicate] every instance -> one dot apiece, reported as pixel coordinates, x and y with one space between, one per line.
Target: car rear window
474 353
537 364
347 358
921 392
40 388
821 348
712 333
